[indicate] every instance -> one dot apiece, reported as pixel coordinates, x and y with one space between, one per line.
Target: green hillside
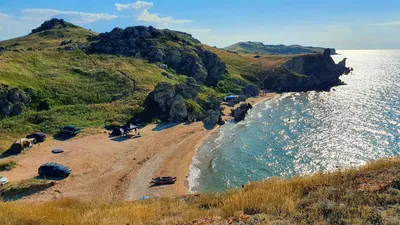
86 90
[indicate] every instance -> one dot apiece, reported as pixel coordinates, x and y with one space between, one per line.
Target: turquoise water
347 127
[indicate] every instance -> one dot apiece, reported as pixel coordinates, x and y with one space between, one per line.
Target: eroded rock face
307 72
179 51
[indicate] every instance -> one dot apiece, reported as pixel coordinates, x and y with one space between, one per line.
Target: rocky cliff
306 72
180 51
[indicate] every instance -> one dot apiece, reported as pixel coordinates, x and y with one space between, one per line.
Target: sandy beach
117 168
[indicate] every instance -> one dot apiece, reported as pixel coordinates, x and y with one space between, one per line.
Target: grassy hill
91 90
369 195
260 48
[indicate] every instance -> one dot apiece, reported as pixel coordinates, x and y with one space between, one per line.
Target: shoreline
253 101
117 169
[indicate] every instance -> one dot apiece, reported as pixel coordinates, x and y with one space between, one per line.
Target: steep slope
260 48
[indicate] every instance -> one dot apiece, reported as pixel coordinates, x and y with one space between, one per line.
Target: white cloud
4 16
136 5
146 16
394 23
78 17
142 13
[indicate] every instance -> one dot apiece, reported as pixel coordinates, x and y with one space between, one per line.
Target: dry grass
7 165
332 198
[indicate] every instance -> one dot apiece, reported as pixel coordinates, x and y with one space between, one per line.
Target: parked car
39 136
54 170
70 130
3 181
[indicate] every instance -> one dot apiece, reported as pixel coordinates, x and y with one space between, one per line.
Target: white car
3 180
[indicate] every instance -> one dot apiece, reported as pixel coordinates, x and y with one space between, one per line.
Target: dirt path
115 169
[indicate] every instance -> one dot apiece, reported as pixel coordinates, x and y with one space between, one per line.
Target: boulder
178 112
163 95
187 91
15 95
5 107
240 112
163 66
17 109
211 118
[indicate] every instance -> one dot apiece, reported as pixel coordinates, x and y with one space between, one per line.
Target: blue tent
231 97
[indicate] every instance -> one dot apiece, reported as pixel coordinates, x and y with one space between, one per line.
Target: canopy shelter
231 97
117 131
129 127
21 145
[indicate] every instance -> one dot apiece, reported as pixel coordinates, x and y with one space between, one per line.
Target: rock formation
53 23
307 72
12 101
179 51
240 112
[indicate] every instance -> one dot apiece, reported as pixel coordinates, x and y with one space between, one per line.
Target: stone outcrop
307 72
240 112
53 23
170 100
212 118
177 50
12 101
178 111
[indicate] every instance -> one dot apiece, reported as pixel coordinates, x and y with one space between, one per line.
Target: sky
341 24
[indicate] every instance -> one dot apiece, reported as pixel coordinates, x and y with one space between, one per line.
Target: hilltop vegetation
369 195
260 48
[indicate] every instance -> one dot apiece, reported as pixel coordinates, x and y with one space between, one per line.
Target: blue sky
342 24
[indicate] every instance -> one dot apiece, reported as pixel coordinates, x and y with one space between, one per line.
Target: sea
303 133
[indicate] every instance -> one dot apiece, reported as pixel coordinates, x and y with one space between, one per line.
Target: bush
43 105
7 166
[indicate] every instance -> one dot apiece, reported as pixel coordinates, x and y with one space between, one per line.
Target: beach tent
117 131
129 127
21 145
231 97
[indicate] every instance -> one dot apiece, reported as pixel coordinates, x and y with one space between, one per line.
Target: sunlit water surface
356 123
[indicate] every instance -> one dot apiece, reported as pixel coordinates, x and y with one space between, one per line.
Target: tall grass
324 198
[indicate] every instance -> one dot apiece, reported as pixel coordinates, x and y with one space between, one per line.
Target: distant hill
260 48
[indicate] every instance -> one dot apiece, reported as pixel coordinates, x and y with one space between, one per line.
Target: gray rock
163 95
240 112
178 112
211 118
163 66
307 72
17 109
5 107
